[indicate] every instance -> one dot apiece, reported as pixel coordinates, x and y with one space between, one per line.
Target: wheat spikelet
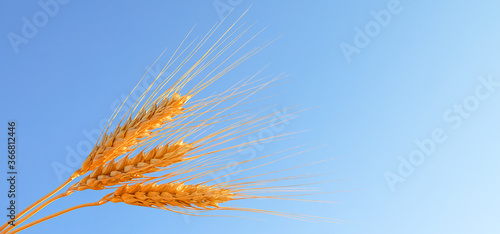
126 169
172 195
126 136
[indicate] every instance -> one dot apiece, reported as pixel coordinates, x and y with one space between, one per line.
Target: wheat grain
126 169
126 136
172 194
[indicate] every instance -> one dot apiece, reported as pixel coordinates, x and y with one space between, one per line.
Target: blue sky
411 115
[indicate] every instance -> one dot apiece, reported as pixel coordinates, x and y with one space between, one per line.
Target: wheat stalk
161 116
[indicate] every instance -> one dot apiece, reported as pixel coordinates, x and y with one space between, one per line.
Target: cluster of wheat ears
163 143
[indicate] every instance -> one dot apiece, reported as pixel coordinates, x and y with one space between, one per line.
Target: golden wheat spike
172 195
127 169
126 136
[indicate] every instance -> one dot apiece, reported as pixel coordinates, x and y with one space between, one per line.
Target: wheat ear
172 195
126 136
126 169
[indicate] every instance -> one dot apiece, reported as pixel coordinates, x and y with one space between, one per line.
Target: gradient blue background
427 59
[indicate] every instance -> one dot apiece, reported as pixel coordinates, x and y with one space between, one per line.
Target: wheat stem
41 200
33 212
98 203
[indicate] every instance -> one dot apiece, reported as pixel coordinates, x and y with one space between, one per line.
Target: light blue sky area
407 95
